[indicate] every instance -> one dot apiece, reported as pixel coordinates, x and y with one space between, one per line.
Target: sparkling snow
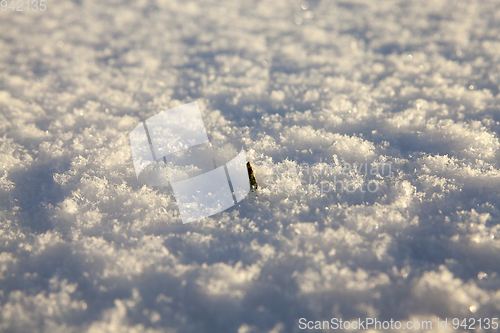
341 86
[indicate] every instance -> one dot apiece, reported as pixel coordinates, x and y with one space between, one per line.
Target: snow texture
346 86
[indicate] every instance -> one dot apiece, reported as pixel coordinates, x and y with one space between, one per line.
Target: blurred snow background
85 247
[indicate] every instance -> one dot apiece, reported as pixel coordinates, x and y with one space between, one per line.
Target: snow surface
411 84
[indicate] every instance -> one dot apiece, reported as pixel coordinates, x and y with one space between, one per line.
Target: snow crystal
320 93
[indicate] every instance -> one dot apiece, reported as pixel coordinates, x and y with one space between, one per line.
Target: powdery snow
319 93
